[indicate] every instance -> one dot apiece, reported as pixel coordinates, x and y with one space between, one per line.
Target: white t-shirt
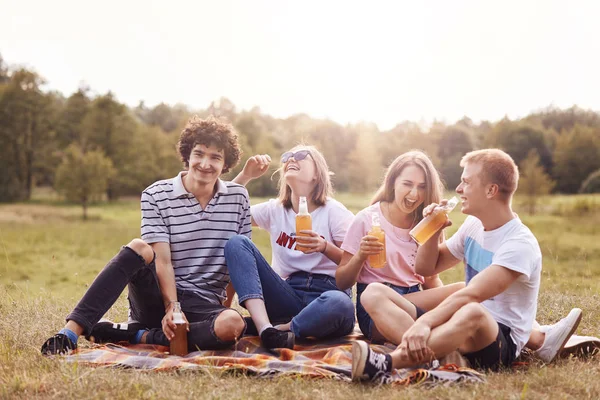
511 246
331 221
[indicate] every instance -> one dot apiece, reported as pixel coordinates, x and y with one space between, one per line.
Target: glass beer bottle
432 223
377 260
178 345
303 222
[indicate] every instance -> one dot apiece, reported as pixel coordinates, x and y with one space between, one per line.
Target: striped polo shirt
196 236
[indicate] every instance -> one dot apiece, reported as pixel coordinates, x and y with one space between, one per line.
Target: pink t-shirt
401 250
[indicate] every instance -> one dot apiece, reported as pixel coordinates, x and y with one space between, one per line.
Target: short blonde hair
434 188
323 187
497 167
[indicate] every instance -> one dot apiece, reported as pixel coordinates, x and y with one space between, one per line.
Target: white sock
263 329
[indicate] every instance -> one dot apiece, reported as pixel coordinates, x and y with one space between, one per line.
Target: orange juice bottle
377 260
303 221
432 223
178 345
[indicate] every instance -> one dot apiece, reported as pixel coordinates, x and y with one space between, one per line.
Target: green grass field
48 257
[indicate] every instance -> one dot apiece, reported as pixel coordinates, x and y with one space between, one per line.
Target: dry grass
48 256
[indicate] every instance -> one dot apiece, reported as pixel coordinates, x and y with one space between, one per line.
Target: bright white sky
378 61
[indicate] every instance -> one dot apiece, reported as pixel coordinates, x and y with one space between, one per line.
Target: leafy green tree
576 156
110 127
565 120
155 158
70 120
4 77
162 116
25 131
453 143
518 138
83 177
534 181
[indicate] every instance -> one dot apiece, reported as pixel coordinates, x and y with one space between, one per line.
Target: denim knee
338 303
235 247
235 243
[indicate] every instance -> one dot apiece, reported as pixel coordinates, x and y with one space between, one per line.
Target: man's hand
169 326
256 166
313 243
434 207
414 343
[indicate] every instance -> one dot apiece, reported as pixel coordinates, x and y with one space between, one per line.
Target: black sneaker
272 338
59 344
110 332
368 365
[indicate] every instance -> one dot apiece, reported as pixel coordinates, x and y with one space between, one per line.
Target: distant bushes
576 206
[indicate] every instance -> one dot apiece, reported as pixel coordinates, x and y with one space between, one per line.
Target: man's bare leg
470 329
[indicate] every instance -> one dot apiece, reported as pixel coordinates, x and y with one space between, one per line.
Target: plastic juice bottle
303 221
178 344
377 260
432 223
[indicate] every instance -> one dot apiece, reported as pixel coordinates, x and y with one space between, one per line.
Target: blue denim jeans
313 302
364 319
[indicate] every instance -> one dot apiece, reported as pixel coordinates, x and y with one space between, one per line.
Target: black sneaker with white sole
110 332
272 338
59 344
368 365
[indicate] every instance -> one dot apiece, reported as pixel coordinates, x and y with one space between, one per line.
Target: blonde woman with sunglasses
298 291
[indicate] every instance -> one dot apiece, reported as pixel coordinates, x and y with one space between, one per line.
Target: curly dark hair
209 131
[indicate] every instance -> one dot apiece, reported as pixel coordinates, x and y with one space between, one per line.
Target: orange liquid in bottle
432 223
378 260
428 227
178 345
303 223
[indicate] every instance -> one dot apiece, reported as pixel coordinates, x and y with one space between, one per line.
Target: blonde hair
497 167
323 187
434 188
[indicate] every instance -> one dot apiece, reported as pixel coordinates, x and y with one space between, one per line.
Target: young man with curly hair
186 222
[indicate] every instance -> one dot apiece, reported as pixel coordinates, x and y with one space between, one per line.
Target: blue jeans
313 302
364 319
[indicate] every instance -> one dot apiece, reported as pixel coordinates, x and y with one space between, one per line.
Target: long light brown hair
434 188
323 187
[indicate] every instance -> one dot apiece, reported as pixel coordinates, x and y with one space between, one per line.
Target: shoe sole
571 332
359 359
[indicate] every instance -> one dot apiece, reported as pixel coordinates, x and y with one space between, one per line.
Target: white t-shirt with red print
401 250
330 221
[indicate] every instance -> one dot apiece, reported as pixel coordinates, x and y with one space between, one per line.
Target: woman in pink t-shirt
411 183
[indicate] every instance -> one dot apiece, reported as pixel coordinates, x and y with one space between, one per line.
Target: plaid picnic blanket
324 359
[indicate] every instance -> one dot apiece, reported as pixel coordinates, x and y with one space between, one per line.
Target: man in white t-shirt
490 320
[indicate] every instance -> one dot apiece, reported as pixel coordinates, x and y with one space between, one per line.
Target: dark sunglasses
298 156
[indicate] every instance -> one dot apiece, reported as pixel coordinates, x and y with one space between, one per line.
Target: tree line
92 146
